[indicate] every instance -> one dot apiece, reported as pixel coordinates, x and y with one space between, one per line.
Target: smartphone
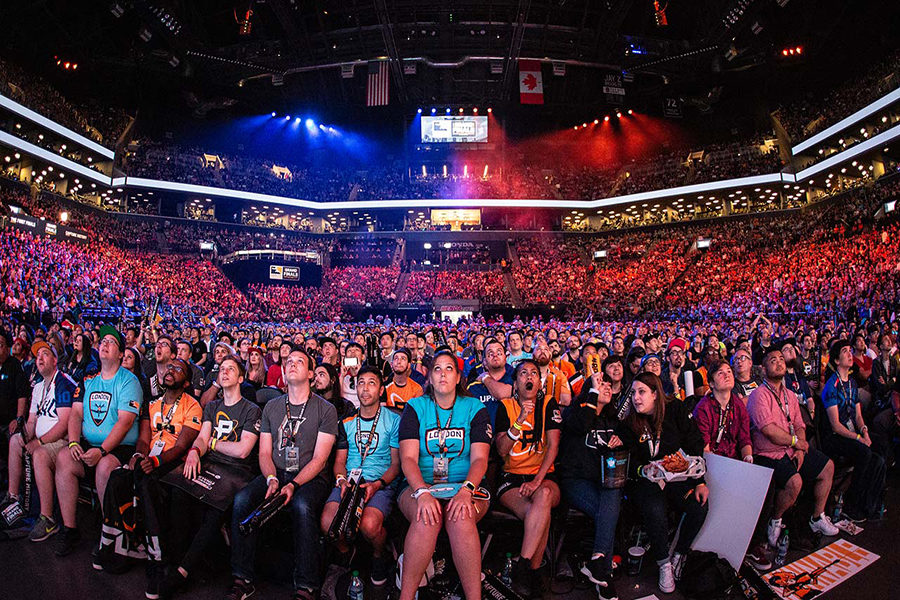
351 361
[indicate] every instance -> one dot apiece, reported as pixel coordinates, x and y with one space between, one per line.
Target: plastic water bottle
781 550
838 508
506 574
356 587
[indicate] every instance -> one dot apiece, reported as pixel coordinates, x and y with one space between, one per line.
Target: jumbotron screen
460 130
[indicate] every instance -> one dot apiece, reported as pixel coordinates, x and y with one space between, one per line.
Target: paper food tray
655 471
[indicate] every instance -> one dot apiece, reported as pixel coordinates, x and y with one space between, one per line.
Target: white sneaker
666 578
678 561
774 532
824 526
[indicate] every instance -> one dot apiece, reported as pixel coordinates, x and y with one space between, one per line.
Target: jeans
602 504
305 507
652 503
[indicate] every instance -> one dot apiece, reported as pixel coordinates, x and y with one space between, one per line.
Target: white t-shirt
47 397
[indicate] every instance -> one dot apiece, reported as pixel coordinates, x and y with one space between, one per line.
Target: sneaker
522 578
758 557
774 532
43 528
823 525
240 590
666 578
97 558
381 569
606 591
678 560
68 540
595 570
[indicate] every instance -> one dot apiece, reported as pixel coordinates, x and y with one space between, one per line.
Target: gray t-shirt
319 415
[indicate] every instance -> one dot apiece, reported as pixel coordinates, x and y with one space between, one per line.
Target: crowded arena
508 301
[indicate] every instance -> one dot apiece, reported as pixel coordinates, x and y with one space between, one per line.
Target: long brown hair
636 420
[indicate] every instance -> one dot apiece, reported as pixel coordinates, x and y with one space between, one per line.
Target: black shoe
522 578
68 540
381 570
105 559
240 590
607 590
173 582
595 570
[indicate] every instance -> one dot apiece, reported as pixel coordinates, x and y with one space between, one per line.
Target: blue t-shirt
465 424
378 458
478 390
512 360
103 399
843 395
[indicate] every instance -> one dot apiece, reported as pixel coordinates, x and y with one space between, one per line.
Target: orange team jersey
527 453
576 382
565 366
187 414
556 384
398 396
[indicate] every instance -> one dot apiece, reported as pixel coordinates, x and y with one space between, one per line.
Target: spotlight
475 110
606 119
448 110
287 117
309 122
490 109
460 110
296 119
584 124
433 110
630 112
273 114
618 115
576 128
596 121
419 111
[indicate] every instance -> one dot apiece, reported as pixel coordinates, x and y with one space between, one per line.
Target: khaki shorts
53 449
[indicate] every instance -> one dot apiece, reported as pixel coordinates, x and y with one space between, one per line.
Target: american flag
377 83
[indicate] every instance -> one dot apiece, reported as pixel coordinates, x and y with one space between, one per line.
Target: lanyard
725 416
365 451
783 405
442 429
45 392
165 422
652 444
292 424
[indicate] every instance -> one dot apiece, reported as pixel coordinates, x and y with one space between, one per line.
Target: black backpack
708 577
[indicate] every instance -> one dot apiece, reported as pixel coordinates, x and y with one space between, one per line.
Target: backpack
708 577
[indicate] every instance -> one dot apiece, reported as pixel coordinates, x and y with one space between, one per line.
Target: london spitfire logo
453 440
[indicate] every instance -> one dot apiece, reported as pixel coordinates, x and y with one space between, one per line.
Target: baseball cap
35 347
106 330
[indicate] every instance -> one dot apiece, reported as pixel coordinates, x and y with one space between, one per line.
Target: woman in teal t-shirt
445 437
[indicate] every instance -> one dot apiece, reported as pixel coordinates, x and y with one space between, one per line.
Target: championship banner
820 571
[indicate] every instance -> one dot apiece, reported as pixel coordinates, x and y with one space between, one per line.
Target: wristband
514 438
291 483
269 479
217 384
155 461
195 449
340 478
138 454
420 491
793 441
469 486
383 482
857 437
212 444
864 428
748 458
73 444
103 452
517 426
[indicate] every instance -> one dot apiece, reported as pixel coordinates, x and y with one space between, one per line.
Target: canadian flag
531 86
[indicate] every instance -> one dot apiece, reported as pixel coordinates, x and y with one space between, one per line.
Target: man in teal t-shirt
104 413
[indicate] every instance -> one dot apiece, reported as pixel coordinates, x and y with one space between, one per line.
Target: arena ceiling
267 53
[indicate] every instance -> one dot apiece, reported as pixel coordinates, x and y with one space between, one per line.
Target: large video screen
460 130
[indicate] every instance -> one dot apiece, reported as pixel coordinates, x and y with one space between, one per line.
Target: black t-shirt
199 350
229 423
13 385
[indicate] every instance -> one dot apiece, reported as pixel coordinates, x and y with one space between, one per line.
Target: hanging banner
531 85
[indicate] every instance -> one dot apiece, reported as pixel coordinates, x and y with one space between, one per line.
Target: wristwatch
103 451
469 486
